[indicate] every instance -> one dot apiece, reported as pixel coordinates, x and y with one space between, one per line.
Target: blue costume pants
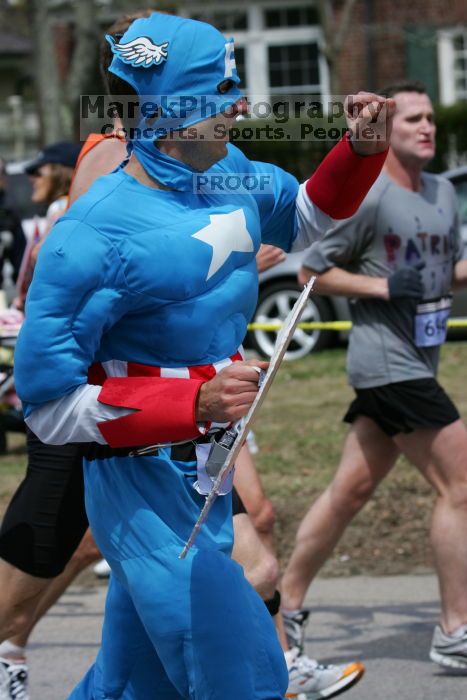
191 629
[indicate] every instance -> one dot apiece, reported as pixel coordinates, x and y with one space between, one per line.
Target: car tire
274 302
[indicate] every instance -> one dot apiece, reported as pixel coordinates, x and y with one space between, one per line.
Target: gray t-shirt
395 228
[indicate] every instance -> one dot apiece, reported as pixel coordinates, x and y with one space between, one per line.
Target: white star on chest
226 234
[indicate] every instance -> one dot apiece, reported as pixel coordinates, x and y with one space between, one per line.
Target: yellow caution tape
335 325
457 323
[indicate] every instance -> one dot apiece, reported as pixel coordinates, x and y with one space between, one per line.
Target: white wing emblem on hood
141 52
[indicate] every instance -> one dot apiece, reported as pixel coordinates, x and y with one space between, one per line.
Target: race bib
204 483
431 322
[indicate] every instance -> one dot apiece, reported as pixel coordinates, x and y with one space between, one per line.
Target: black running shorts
403 407
46 518
238 506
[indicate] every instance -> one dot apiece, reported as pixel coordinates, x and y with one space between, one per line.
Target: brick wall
377 52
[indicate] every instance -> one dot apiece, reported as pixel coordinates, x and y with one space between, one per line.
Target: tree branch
84 62
344 23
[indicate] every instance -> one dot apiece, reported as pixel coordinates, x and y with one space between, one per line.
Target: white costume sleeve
73 418
312 223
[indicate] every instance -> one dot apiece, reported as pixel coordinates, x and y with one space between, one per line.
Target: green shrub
301 157
451 136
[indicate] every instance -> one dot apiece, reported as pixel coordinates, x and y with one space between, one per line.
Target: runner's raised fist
369 118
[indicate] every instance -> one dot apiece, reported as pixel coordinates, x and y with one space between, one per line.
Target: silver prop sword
282 342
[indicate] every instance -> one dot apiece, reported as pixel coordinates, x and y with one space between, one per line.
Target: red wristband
342 180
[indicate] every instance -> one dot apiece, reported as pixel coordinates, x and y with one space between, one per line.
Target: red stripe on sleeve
205 372
342 180
164 410
135 369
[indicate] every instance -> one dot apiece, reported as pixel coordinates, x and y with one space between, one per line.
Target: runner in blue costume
153 284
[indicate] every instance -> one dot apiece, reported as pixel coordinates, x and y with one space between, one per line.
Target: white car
278 290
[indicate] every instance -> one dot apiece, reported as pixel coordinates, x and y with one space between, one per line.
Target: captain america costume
160 285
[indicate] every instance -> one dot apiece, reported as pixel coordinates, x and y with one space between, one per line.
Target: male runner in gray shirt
411 238
397 260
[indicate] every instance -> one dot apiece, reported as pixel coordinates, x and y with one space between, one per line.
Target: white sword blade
282 342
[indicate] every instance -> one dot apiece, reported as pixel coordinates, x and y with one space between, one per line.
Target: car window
460 186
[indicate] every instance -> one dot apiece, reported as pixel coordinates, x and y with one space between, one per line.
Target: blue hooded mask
186 69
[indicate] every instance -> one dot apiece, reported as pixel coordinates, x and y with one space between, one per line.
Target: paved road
387 622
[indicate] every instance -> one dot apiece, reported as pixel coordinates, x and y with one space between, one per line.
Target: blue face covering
186 70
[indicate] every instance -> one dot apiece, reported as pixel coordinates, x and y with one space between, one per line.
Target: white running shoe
13 680
102 569
310 680
450 649
295 627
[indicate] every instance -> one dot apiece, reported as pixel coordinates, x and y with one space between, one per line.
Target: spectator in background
51 173
12 247
12 238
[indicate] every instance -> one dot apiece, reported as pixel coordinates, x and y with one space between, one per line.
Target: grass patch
300 434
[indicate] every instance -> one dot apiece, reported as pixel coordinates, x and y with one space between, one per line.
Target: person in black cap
51 172
64 153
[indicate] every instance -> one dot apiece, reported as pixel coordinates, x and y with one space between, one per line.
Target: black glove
406 283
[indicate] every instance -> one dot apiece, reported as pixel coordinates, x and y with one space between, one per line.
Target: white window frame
258 38
446 65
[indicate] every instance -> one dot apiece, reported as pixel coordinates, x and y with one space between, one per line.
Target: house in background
277 44
280 44
279 50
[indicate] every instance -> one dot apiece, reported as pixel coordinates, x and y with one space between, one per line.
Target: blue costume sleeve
79 293
289 218
294 216
75 296
277 208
